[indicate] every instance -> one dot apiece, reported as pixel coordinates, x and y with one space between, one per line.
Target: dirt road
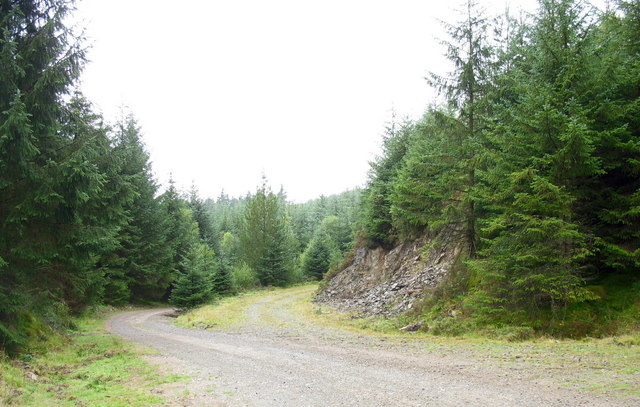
280 359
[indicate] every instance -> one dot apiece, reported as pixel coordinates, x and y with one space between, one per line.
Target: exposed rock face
388 282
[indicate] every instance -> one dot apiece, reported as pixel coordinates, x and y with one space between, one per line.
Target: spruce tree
228 259
105 210
181 230
60 207
376 202
611 201
140 267
316 258
528 264
466 88
193 286
265 238
200 215
432 184
534 245
325 248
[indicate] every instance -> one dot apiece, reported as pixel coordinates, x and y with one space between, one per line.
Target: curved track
280 359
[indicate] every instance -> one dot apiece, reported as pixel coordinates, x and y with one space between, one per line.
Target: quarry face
388 282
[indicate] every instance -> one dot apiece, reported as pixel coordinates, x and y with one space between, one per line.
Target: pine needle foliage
533 156
266 240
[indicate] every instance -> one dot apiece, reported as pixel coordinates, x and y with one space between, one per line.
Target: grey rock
388 282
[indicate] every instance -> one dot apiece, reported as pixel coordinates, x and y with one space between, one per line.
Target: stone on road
315 366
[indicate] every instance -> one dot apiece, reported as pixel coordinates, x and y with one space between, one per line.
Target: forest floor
277 348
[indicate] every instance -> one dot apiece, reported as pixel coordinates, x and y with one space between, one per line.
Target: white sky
297 89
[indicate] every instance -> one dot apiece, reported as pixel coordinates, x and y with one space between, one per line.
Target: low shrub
243 278
449 327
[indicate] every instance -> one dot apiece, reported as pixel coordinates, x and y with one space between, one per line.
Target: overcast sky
299 90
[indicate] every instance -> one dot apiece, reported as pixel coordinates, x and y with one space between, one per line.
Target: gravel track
280 359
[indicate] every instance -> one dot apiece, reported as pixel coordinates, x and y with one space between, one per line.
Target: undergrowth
83 367
451 309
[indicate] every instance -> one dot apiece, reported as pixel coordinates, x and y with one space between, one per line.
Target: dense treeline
261 239
533 160
83 222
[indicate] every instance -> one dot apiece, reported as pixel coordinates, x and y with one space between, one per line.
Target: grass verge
85 367
235 312
226 313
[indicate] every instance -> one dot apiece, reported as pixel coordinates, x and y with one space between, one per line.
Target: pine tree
432 184
611 202
529 262
141 265
325 248
54 171
200 215
193 286
181 230
265 238
227 261
190 290
316 258
376 202
302 224
533 245
105 208
466 89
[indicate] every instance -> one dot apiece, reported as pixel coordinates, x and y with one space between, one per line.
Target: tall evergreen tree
612 200
431 186
377 221
61 206
528 264
436 183
265 238
200 215
106 207
193 286
316 258
325 248
533 243
228 259
466 89
180 227
140 267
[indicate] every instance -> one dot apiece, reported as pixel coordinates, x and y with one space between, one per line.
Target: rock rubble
388 282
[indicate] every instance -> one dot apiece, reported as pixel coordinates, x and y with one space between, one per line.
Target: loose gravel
295 363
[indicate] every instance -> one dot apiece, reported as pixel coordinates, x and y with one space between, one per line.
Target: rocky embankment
388 282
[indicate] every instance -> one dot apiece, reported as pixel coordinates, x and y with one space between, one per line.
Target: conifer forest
531 153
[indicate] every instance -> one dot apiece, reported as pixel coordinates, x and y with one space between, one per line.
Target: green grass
226 313
231 312
85 367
